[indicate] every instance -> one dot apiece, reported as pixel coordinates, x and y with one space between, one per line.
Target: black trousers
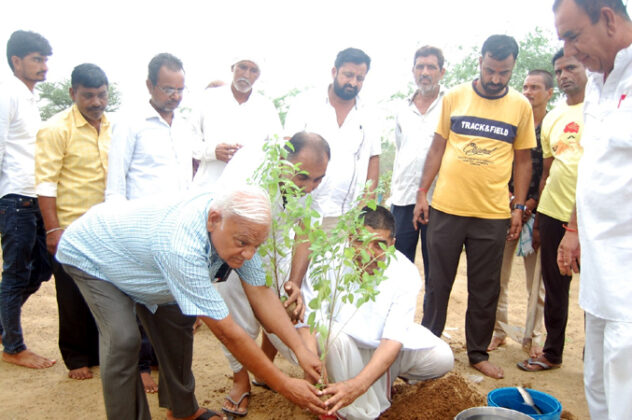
484 241
556 288
78 333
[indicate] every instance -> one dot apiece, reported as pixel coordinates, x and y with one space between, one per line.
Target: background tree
54 98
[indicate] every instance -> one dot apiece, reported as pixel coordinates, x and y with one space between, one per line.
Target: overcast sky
298 40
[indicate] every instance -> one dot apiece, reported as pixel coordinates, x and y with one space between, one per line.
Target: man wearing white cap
230 117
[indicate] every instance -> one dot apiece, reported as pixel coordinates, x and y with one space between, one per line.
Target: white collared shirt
147 156
604 193
223 120
352 145
414 132
19 122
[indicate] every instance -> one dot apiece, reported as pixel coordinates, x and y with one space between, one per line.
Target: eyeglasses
170 91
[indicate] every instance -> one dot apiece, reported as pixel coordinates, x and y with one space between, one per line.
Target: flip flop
262 385
236 404
526 365
208 414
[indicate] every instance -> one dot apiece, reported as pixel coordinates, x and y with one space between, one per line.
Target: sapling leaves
340 269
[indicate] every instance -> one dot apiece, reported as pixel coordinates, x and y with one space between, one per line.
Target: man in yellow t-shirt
485 127
561 149
71 160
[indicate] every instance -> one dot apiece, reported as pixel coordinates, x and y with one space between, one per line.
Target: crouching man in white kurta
381 341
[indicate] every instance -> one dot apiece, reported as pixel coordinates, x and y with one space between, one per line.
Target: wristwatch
520 207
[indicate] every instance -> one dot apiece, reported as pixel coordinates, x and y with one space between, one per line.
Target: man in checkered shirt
156 258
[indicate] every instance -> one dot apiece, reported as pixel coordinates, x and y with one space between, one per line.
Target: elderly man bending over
157 259
381 340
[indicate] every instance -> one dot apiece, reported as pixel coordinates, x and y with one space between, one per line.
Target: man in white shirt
415 124
151 152
599 34
26 262
340 117
231 117
380 340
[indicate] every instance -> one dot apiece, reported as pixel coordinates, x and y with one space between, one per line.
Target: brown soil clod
441 398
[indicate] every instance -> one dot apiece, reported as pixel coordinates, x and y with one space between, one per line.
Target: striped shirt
156 251
71 161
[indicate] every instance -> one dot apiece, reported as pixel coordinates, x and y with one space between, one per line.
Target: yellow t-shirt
481 133
561 134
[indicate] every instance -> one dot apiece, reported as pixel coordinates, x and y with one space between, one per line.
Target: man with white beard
231 117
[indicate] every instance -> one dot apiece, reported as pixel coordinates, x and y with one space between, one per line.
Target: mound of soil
441 398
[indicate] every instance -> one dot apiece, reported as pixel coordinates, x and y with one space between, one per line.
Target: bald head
310 151
306 140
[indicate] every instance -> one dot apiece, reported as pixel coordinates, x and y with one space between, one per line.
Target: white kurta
223 120
604 194
352 145
604 216
390 316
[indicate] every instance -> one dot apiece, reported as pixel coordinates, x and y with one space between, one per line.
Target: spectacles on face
170 91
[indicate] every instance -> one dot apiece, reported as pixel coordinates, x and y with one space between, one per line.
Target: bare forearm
345 392
270 312
546 169
48 208
300 261
522 174
433 162
572 223
382 359
373 173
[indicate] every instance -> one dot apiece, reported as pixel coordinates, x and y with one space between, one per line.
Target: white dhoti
240 310
346 358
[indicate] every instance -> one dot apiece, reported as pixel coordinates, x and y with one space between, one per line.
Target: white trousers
608 368
232 291
346 359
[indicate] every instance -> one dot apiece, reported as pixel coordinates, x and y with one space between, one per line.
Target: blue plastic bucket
511 398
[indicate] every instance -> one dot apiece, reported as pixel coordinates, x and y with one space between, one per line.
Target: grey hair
250 202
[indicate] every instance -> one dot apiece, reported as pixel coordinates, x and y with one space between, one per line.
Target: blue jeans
26 263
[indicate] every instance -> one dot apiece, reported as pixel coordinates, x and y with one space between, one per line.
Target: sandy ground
50 394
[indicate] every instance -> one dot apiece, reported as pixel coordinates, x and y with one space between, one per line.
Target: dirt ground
50 394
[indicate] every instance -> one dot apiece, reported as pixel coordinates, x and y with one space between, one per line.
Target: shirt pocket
616 122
